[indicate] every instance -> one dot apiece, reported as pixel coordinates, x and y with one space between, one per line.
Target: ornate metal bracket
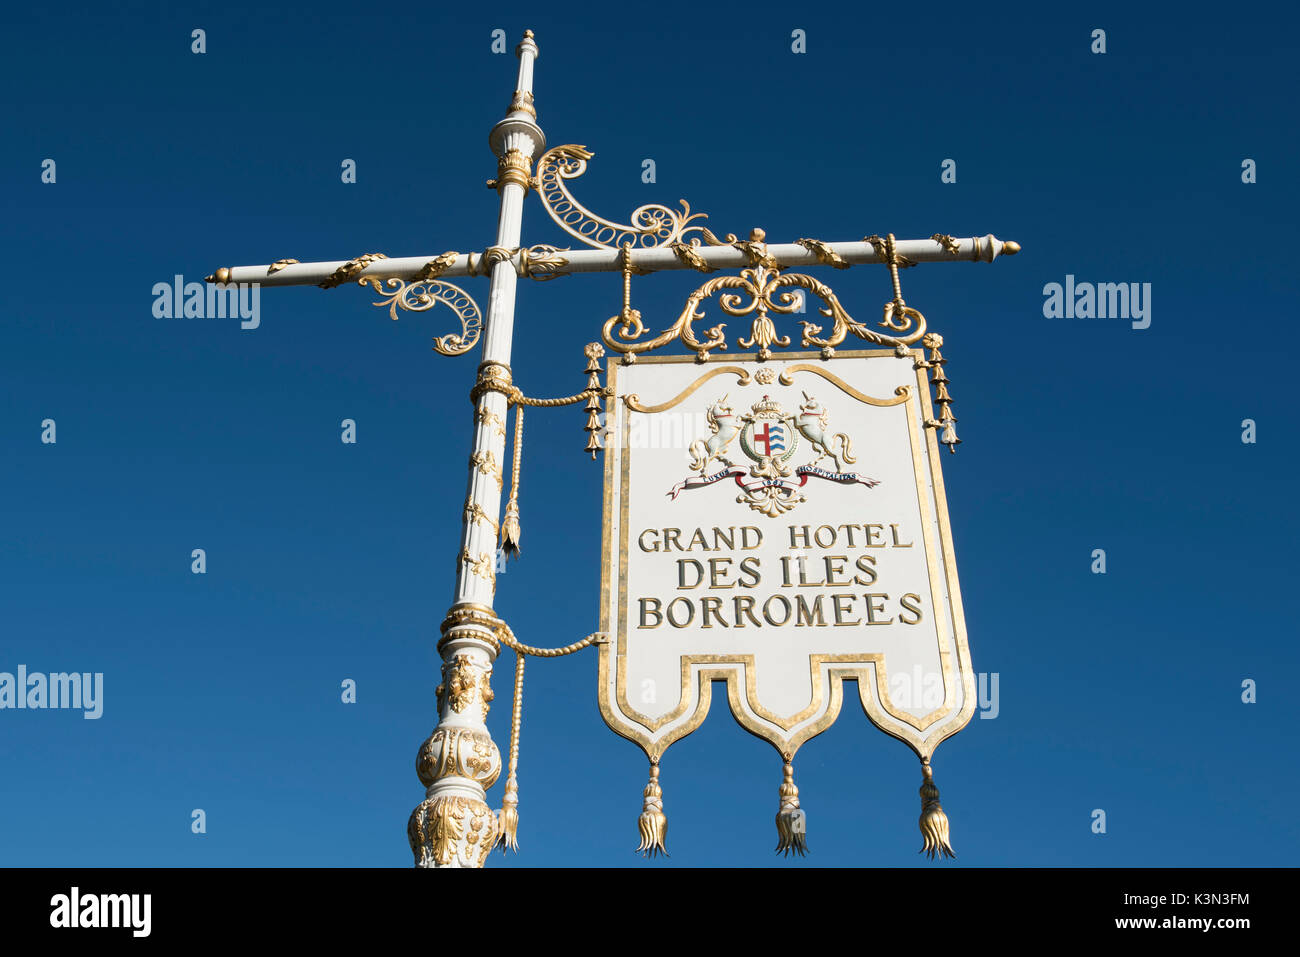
422 295
652 225
763 288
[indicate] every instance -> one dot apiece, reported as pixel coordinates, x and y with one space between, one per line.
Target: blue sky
329 561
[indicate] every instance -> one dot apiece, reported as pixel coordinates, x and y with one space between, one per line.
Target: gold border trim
633 401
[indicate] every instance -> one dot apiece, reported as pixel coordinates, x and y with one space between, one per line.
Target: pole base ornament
451 831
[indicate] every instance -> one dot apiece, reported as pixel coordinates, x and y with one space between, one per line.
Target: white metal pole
454 826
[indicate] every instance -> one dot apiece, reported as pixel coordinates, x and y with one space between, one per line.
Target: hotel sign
780 526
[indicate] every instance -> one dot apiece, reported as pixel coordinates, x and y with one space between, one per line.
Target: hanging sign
779 526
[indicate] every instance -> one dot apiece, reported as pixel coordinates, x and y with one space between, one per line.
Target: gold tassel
653 823
791 824
507 832
508 818
934 823
510 522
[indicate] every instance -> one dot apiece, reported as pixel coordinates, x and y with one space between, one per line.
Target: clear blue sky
329 561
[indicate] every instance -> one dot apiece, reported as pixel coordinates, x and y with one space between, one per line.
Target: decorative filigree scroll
422 296
652 225
761 290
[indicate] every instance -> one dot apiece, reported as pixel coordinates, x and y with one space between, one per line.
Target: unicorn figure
813 423
722 422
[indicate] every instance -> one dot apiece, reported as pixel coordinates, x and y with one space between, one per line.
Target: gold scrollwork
633 401
652 224
761 289
279 264
423 295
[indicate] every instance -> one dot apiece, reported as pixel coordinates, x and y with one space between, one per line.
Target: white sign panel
779 526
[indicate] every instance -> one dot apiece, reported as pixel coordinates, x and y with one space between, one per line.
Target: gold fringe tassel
594 351
510 523
791 823
934 823
507 836
508 828
653 823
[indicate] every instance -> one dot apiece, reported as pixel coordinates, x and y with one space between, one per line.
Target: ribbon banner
779 586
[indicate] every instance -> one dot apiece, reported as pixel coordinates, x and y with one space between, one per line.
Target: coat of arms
770 437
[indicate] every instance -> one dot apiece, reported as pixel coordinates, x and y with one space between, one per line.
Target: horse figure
722 423
813 423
